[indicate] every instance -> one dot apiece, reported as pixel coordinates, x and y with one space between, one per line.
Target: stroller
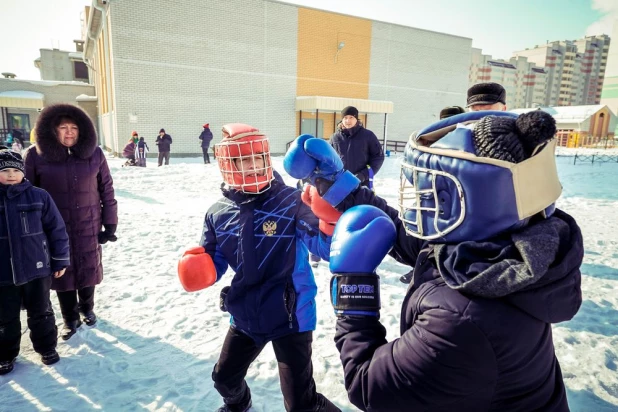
130 162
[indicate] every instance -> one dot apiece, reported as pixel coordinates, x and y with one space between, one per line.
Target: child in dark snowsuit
34 245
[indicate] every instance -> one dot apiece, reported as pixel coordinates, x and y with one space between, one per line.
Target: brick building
277 66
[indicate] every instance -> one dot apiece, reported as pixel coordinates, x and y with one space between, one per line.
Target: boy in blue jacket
262 229
33 245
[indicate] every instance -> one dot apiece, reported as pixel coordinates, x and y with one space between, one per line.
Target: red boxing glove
196 270
327 214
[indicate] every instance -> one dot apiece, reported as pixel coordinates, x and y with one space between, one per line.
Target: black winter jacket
358 147
164 142
476 330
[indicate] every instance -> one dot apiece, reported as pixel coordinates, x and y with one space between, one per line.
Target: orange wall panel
321 71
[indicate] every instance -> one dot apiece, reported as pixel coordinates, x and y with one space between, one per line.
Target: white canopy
21 99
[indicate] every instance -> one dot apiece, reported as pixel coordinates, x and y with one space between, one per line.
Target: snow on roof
86 98
567 114
22 94
48 82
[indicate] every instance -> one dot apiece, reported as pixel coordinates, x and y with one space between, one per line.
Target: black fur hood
47 144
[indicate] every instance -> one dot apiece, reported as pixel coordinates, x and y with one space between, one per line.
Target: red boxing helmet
237 153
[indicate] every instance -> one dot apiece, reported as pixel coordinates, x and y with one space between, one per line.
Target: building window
80 70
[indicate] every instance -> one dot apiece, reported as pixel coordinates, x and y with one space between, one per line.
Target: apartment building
609 95
525 82
575 69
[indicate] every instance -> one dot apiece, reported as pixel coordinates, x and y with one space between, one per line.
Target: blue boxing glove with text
363 236
315 160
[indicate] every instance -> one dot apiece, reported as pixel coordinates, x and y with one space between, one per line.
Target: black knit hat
11 160
162 131
486 93
349 111
513 139
451 111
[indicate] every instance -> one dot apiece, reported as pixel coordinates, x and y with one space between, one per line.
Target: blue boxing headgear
474 175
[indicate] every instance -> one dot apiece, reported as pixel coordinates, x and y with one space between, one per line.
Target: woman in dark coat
67 162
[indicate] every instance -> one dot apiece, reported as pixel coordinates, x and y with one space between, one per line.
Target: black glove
108 234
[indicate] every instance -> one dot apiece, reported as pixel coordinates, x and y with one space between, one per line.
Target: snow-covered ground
155 345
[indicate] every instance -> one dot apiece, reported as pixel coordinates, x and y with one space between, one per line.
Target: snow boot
244 407
324 405
90 318
51 357
6 366
70 328
240 402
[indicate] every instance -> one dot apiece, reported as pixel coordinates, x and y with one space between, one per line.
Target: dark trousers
164 156
71 307
41 319
206 156
293 354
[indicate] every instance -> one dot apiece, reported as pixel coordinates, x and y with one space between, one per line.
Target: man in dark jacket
495 265
164 141
206 138
359 149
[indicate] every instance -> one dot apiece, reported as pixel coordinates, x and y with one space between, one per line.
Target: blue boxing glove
315 160
363 236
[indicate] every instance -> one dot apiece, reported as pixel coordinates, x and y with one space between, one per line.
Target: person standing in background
164 141
359 148
18 145
68 163
141 152
206 138
486 96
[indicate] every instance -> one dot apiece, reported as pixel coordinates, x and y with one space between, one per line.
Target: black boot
235 408
6 366
70 328
90 318
407 278
324 405
240 402
51 357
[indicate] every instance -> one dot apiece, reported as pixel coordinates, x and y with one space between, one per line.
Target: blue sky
497 27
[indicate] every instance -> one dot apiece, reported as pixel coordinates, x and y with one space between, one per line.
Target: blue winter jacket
264 238
476 323
33 238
